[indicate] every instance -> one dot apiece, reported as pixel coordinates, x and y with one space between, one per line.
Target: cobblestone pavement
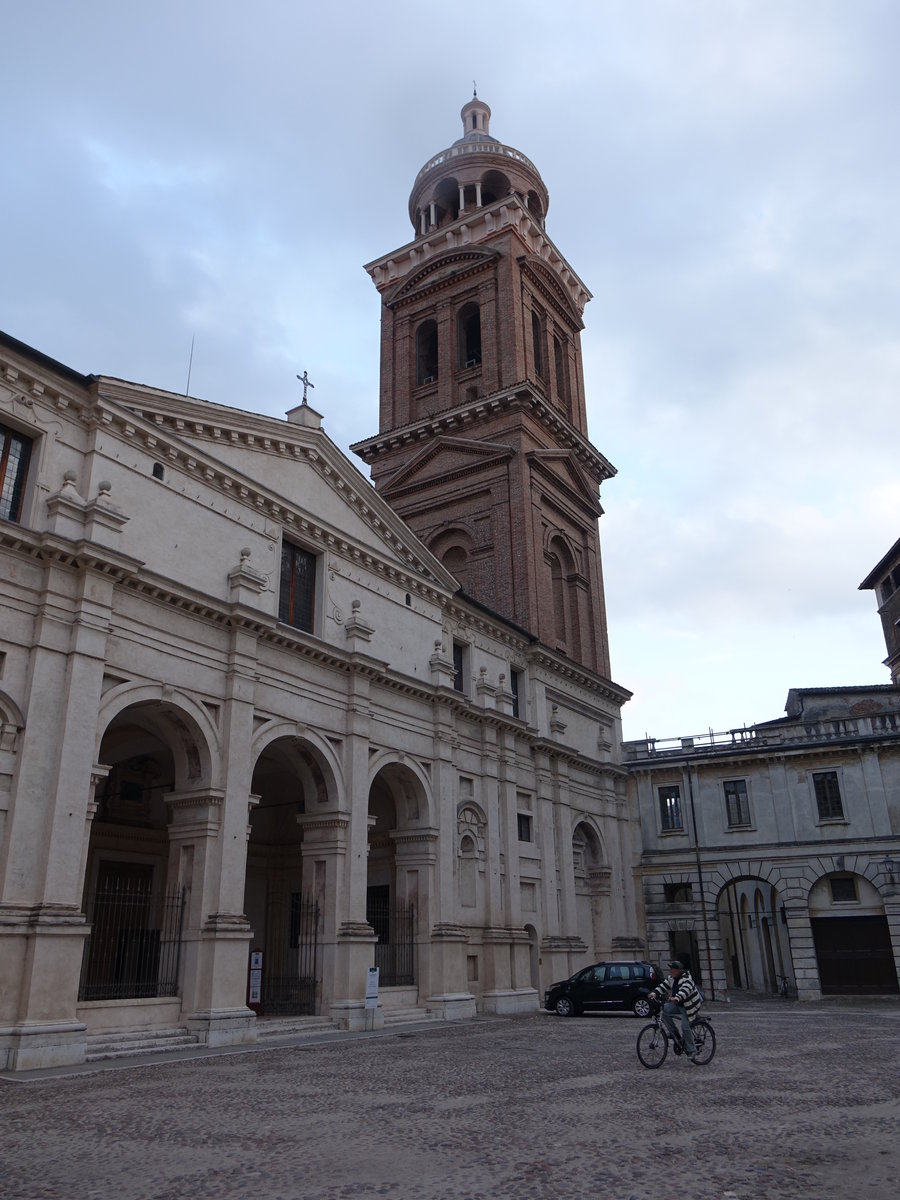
800 1101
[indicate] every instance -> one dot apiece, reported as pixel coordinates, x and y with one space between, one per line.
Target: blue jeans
668 1014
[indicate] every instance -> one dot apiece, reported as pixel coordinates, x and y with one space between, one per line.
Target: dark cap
676 962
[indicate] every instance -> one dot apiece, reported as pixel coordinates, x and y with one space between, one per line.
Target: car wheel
641 1007
565 1007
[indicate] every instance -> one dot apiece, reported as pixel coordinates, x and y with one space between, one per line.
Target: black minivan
604 987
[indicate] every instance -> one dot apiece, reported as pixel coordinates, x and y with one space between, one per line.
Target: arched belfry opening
284 894
468 334
427 353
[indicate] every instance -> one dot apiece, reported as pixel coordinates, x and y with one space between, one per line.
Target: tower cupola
475 172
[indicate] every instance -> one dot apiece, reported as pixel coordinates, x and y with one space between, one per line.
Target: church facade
264 726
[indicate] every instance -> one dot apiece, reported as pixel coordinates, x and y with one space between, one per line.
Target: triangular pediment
291 472
453 265
548 282
443 459
561 468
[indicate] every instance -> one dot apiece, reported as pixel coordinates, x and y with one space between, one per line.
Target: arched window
537 339
426 353
559 599
468 331
562 375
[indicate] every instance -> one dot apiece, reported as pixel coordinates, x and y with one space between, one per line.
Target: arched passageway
136 886
400 864
852 937
282 897
754 935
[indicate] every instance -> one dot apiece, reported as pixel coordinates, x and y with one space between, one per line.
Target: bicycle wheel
652 1046
705 1041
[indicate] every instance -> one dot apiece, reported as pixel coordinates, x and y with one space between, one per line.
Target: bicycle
653 1042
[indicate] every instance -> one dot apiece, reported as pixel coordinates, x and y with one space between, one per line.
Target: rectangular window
828 796
514 681
459 666
737 802
524 826
15 454
670 808
843 889
678 893
296 600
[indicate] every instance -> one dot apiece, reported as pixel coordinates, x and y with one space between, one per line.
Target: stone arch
402 853
563 564
855 950
453 547
12 722
323 770
471 822
409 784
749 923
180 721
495 185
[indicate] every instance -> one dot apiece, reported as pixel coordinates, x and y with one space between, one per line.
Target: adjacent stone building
774 851
254 736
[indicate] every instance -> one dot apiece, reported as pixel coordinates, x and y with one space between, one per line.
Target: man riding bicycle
679 995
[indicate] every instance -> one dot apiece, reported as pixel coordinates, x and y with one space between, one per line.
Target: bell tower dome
482 445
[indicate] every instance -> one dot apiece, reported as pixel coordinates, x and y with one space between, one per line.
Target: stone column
415 857
355 938
211 1002
324 850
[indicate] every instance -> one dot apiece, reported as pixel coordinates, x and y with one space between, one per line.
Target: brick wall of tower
467 468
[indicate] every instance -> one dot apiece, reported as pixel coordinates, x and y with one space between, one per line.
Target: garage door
854 955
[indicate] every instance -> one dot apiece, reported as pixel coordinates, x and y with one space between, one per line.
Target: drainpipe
712 986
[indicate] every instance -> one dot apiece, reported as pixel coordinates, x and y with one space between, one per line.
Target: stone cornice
458 420
430 278
471 229
567 669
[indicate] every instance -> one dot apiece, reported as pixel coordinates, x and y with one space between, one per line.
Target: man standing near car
678 994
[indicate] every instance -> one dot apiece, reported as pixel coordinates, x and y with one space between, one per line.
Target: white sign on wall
372 987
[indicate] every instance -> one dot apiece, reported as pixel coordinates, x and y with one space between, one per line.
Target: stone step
275 1027
132 1043
408 1016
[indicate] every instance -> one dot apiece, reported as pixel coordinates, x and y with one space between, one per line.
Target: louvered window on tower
296 600
468 325
426 353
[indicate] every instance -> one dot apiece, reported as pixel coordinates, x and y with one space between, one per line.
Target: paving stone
800 1101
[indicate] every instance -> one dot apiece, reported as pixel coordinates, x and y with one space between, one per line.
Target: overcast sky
722 175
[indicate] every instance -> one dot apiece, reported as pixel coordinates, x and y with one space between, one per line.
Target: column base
452 1006
501 1001
353 1016
34 1045
224 1026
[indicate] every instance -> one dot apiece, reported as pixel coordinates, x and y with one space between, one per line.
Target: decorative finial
474 91
304 379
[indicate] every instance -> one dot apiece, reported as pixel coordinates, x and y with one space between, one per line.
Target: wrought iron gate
134 948
290 985
395 949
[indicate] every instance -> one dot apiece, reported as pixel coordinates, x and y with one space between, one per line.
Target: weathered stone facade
254 738
774 851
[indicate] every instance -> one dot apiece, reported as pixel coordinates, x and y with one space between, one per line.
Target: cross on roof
304 379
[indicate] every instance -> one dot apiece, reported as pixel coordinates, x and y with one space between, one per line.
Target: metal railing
134 948
395 949
290 984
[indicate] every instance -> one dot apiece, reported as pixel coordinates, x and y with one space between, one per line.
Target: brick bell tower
482 446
